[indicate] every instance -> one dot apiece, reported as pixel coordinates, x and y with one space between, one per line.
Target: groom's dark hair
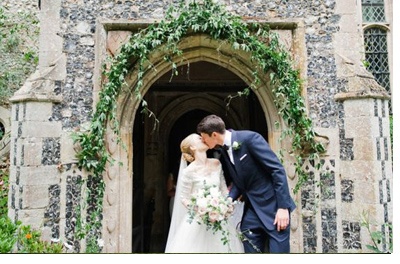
210 124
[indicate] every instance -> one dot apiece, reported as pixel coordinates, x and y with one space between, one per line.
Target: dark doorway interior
140 229
212 80
184 126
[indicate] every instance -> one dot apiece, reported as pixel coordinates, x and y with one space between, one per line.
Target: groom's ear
217 136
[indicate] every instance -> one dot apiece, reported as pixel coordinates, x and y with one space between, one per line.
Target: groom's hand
281 219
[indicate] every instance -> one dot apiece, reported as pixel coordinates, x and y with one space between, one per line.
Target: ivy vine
265 51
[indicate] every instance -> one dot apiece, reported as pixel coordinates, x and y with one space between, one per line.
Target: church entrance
178 104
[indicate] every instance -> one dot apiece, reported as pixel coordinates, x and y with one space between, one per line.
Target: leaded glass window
373 11
376 42
376 55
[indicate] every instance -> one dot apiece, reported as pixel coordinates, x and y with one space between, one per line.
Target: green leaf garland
264 49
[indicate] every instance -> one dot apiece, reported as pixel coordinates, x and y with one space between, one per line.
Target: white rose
202 202
214 202
214 192
213 216
223 208
200 193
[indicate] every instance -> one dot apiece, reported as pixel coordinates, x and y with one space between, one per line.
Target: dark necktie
225 148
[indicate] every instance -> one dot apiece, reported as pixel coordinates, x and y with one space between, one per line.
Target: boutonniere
236 145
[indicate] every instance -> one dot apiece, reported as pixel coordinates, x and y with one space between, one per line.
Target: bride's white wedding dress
185 237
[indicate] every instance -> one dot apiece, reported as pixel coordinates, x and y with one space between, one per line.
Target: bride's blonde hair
186 143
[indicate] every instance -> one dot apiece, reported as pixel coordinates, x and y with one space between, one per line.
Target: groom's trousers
256 235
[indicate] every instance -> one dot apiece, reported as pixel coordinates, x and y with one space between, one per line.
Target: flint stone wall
329 222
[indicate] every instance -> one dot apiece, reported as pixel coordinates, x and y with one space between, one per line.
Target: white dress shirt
228 143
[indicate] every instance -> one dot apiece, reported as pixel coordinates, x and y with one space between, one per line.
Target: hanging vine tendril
265 51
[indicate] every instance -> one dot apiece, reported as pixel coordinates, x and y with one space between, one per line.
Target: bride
188 236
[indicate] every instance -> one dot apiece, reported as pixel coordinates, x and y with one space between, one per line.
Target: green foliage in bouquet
211 208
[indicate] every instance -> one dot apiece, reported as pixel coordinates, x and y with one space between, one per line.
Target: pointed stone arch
196 48
186 103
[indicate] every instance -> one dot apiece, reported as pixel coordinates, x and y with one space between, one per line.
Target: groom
260 178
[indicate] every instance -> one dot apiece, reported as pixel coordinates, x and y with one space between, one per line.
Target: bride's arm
222 183
186 188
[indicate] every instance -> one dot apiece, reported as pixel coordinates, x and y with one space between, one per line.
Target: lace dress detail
193 237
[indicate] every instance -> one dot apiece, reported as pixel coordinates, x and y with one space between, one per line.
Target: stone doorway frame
118 199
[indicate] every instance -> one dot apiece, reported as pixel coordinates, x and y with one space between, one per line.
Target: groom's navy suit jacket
258 175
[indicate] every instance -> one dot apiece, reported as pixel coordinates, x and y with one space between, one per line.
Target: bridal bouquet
209 207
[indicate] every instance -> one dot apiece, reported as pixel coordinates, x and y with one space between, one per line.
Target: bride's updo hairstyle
187 153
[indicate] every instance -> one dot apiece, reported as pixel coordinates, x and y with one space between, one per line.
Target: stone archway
118 212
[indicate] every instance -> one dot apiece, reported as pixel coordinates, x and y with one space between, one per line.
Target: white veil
179 211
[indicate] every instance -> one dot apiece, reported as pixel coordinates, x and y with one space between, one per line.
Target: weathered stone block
13 175
46 234
32 149
34 218
330 138
360 170
360 127
359 108
115 39
14 127
38 111
35 196
364 148
353 211
17 113
50 54
47 129
68 152
45 175
54 46
18 147
366 193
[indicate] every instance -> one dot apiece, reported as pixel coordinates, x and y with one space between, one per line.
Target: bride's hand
186 203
